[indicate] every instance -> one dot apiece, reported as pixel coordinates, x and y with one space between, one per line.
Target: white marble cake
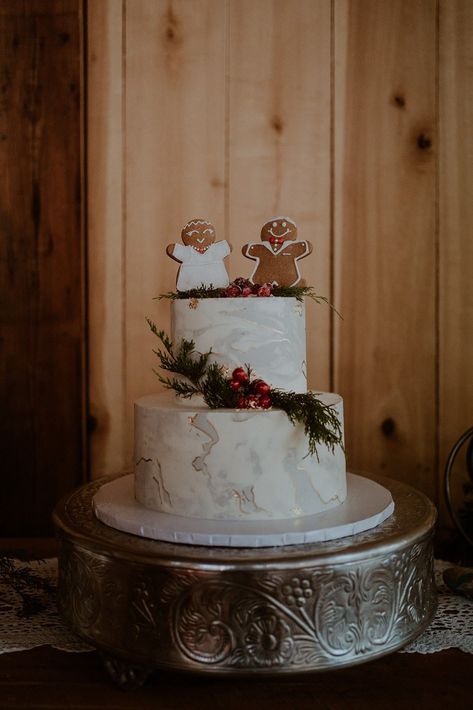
266 333
236 464
231 464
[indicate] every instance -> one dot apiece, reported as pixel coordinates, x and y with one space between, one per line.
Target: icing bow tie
275 240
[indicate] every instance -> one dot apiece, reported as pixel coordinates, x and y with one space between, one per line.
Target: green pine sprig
212 381
201 377
297 292
216 388
203 291
184 361
321 424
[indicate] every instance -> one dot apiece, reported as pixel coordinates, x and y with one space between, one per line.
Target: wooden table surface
47 678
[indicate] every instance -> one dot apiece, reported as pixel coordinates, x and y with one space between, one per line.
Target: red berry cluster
243 288
251 394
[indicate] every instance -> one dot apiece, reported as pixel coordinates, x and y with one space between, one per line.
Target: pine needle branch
184 360
203 291
320 421
321 424
183 388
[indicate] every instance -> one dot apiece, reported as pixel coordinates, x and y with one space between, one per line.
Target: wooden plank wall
279 140
455 234
351 116
42 378
106 228
385 227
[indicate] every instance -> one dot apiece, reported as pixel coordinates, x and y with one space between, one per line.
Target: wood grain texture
175 157
455 223
385 192
279 141
79 681
41 266
106 176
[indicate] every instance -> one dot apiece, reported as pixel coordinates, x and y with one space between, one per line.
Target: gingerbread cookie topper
278 254
201 258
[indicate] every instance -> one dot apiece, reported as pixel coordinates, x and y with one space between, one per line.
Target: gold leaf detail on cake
247 501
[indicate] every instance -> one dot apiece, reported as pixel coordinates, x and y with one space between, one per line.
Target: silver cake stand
148 604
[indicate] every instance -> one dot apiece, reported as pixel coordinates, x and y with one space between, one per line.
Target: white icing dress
206 268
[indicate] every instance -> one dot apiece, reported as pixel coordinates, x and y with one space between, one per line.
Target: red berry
232 291
265 290
261 387
241 282
240 375
235 385
242 403
265 401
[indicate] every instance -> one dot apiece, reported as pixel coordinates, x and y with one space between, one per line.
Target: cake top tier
266 333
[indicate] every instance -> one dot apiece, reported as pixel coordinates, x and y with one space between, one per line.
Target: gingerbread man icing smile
277 256
278 238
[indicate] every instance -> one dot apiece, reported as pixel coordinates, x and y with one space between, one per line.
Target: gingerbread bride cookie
201 259
278 254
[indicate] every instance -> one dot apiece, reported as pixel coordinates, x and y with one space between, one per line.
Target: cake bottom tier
232 465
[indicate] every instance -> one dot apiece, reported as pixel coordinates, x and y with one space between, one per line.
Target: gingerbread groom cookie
201 259
278 254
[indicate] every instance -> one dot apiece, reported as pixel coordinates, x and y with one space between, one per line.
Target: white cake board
367 504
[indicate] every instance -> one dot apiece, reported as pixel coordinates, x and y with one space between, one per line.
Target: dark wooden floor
46 678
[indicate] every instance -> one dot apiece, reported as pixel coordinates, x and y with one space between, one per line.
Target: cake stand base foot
124 674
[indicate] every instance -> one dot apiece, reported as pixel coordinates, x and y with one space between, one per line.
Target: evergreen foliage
193 374
297 292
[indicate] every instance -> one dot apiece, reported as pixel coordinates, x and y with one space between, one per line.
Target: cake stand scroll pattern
149 605
90 594
298 619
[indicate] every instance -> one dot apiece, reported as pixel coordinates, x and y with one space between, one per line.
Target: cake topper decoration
201 258
278 254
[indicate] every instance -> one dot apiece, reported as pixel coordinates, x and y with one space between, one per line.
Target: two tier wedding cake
250 461
238 451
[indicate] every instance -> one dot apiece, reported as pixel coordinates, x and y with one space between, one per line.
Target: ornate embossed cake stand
148 604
